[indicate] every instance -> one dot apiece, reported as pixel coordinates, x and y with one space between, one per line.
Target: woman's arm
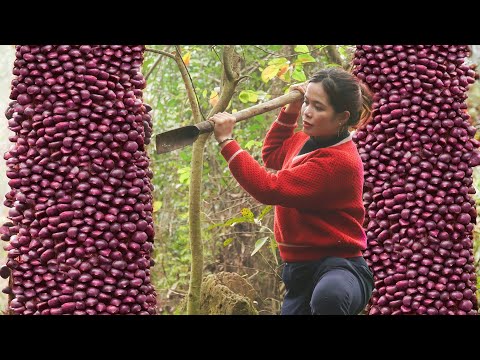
316 184
275 145
276 142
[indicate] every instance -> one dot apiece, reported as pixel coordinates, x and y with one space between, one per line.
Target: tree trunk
230 78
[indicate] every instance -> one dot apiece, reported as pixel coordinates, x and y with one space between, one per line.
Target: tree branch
227 54
333 55
196 165
170 55
192 96
159 59
282 55
231 63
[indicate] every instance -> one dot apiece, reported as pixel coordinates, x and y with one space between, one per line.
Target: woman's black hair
346 93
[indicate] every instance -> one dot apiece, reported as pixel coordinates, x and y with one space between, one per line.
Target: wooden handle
207 126
268 105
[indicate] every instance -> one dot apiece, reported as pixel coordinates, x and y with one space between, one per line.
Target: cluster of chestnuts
80 235
418 153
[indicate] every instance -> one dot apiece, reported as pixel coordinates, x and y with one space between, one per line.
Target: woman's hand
224 123
295 107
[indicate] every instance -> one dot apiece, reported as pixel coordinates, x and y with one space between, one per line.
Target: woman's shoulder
348 150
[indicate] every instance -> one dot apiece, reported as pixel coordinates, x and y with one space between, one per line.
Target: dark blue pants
329 286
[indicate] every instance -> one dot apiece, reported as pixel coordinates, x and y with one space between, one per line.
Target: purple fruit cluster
418 153
81 234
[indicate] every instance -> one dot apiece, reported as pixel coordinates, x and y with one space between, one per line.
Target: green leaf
252 96
301 49
227 241
305 58
252 143
204 93
183 170
259 244
260 118
247 217
248 96
273 248
184 175
243 97
184 178
157 205
265 211
298 74
185 157
270 72
211 227
278 61
249 144
236 221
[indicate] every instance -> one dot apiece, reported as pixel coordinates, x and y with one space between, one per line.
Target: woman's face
319 117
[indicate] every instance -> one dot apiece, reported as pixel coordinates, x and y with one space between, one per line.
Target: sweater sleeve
276 142
312 185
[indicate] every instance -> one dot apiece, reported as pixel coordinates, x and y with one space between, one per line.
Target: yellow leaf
157 205
186 58
269 72
247 213
213 98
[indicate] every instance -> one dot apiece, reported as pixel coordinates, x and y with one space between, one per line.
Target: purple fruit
418 151
81 199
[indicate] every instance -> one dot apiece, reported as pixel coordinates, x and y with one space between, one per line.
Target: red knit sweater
318 195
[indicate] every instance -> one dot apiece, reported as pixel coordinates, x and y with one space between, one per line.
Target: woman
317 191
